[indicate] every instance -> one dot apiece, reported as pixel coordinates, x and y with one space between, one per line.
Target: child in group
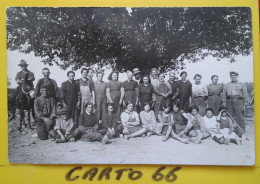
211 123
196 126
226 129
63 127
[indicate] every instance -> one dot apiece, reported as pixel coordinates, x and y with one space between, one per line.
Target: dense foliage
144 38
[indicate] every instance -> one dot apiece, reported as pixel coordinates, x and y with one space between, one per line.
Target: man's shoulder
41 80
19 73
187 81
52 80
30 72
37 98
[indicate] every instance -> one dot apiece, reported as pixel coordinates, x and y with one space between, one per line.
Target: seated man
45 113
63 127
87 129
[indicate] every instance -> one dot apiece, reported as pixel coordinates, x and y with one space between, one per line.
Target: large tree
145 38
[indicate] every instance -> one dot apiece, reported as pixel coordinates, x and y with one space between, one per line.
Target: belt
235 97
214 94
198 96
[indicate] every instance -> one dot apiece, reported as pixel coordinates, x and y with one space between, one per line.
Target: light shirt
210 123
235 89
199 90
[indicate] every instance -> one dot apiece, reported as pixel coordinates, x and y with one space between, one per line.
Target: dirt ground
25 147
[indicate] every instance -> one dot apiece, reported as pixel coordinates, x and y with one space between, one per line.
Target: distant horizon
207 67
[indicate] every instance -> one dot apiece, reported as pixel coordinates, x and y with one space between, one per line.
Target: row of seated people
181 126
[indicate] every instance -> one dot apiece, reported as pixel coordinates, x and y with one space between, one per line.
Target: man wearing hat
137 75
235 98
45 112
63 126
50 83
23 76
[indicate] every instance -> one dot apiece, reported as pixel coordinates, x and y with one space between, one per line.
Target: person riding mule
23 75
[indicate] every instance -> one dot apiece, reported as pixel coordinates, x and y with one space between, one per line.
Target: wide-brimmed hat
23 63
136 71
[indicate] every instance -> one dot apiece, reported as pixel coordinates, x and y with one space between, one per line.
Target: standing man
45 112
23 75
185 92
137 75
53 90
175 87
235 98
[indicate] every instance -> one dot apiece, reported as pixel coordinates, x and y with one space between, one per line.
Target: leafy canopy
145 38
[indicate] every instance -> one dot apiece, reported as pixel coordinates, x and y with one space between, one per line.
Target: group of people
142 105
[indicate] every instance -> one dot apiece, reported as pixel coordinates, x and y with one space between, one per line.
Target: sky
207 67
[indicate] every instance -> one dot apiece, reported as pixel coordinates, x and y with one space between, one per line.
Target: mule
25 102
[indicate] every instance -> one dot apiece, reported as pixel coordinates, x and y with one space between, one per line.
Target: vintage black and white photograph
92 85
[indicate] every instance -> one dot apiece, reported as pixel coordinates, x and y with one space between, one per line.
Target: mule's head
26 86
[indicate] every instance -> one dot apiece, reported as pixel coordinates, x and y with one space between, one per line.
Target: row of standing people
76 93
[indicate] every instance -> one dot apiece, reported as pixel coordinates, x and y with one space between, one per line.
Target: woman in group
110 126
87 92
115 93
199 95
185 92
179 121
130 121
146 91
214 95
100 93
88 127
148 121
131 90
70 95
166 124
90 74
154 76
163 91
195 128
